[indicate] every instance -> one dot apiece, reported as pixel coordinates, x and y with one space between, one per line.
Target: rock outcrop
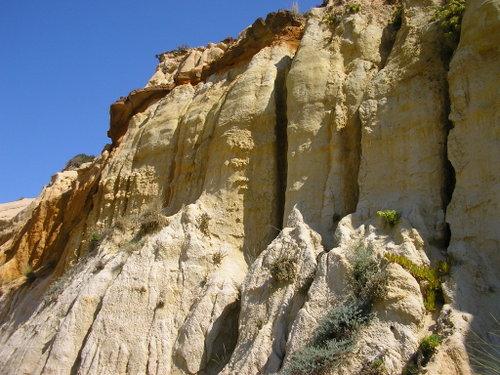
244 207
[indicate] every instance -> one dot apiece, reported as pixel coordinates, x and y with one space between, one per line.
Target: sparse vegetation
391 217
368 278
204 222
295 7
426 350
485 353
375 367
449 18
284 270
151 221
336 332
428 347
94 241
353 7
218 257
76 161
427 277
29 273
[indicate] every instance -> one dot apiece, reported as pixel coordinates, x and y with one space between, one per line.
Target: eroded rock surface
275 149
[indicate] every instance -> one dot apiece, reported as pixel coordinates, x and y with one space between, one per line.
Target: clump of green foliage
337 331
449 17
428 346
334 336
94 241
353 7
76 161
426 350
428 278
368 279
375 367
391 217
284 270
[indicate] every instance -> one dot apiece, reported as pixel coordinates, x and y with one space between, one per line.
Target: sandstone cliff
319 195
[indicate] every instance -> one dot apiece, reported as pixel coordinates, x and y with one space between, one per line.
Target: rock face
221 228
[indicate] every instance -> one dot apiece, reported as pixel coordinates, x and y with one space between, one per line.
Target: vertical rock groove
280 97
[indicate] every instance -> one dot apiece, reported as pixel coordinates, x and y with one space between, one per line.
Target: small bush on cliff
375 367
284 270
426 350
353 8
76 161
337 330
151 221
427 277
29 273
391 217
368 278
94 241
218 257
449 16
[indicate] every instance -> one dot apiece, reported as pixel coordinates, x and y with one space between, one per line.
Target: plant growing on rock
29 273
368 279
204 221
449 17
151 221
95 241
375 367
485 352
427 277
76 161
337 330
426 350
353 8
391 217
218 257
284 270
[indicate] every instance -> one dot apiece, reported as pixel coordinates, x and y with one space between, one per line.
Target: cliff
319 195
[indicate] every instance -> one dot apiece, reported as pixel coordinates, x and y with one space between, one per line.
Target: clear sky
63 62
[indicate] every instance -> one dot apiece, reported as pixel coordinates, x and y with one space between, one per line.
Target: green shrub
368 279
76 161
284 270
341 323
353 8
427 277
334 336
337 330
449 17
428 347
391 217
95 241
312 360
375 367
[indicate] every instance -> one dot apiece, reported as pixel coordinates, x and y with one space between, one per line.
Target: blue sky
62 63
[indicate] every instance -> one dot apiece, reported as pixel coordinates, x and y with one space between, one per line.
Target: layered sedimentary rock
219 228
